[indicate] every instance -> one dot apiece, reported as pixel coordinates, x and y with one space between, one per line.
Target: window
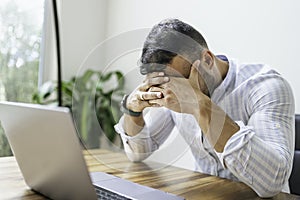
21 25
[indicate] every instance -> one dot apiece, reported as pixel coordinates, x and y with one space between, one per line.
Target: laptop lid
47 149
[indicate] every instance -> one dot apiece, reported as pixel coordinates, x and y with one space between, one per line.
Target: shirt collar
228 83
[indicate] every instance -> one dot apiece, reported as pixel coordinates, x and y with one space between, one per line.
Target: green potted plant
93 99
4 145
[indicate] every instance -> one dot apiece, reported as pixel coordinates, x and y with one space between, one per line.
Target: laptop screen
47 149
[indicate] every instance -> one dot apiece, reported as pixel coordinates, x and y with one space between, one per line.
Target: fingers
194 74
140 100
157 102
146 96
147 91
155 74
154 79
155 89
195 70
154 82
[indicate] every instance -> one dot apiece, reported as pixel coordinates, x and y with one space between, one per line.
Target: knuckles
168 99
154 81
168 91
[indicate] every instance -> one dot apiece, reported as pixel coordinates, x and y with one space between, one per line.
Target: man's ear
207 59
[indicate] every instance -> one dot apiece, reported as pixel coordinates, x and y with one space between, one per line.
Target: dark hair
167 39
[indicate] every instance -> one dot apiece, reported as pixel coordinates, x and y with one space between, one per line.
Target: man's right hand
138 100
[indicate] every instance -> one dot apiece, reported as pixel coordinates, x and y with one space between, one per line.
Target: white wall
83 24
250 30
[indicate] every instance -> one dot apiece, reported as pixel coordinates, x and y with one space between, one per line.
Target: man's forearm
133 125
216 125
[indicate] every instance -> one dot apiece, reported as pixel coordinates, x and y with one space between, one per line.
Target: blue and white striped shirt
260 154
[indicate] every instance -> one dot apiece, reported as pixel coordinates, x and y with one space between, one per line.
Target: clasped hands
162 90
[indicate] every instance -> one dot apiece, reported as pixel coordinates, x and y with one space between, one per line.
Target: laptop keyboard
103 194
111 187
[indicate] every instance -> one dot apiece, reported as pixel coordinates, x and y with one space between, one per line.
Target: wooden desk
186 183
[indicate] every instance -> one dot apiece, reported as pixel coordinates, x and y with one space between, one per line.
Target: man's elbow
276 186
268 193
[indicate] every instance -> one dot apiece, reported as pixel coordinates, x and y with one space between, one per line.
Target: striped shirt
260 154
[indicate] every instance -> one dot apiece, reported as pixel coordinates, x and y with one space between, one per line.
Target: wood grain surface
182 182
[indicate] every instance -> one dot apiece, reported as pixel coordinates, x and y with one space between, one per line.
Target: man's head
172 46
168 39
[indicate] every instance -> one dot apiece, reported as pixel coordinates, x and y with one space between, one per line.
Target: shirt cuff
143 134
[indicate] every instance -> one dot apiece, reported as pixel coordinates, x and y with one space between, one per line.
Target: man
238 119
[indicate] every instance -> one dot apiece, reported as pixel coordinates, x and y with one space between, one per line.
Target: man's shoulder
251 69
261 78
254 72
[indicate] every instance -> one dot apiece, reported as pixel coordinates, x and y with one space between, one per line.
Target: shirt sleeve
158 126
260 154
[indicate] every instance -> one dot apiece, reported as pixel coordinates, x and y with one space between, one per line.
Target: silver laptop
47 149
